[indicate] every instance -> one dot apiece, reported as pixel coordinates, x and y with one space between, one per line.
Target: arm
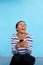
29 48
29 41
13 44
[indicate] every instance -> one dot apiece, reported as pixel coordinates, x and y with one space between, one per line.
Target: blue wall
11 11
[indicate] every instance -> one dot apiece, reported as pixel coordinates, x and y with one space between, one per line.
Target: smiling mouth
22 29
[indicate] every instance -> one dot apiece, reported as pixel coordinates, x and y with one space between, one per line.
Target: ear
17 29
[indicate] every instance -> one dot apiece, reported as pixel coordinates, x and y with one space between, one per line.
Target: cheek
25 28
19 29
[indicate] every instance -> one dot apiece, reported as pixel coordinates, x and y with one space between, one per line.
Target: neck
21 35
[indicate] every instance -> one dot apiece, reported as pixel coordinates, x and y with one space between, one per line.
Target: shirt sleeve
13 44
29 41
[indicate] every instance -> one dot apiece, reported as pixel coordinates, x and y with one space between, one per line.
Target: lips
22 29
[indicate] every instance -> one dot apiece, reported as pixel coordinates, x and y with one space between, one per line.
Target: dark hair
18 23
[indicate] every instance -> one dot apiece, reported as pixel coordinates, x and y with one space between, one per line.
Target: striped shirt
21 50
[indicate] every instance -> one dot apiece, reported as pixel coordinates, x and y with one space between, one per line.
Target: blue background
11 11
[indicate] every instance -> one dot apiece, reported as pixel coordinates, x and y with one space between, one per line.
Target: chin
23 32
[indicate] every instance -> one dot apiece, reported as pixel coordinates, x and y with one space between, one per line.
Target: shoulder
29 35
29 38
13 36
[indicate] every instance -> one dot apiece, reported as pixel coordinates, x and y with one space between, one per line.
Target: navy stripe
21 49
13 43
30 40
15 38
28 37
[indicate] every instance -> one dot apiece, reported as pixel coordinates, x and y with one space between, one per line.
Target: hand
18 45
24 44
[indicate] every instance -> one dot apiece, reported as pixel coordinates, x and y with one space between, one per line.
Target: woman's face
21 27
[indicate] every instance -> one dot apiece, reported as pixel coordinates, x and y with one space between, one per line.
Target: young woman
22 46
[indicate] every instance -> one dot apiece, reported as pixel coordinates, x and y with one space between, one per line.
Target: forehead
20 23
